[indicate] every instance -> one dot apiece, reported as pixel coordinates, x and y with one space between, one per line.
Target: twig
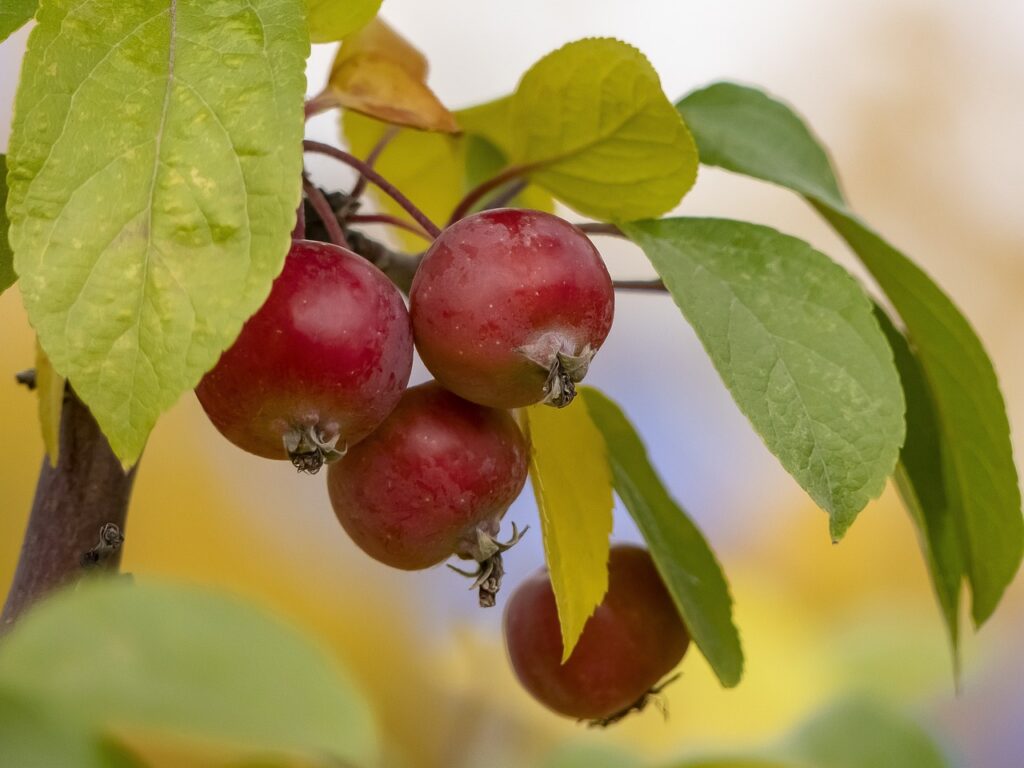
597 228
640 285
325 212
372 175
87 490
507 195
476 194
383 218
371 160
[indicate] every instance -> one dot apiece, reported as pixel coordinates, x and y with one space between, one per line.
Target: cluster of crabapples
506 310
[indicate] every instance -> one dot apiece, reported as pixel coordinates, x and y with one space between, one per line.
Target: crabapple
320 364
509 306
634 639
433 480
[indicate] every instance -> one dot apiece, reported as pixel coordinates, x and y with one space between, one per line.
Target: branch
640 285
385 186
512 173
74 501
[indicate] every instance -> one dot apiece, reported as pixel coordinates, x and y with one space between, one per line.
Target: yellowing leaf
331 20
50 389
379 73
593 126
573 486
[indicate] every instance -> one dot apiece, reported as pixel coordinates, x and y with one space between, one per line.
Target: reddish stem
325 212
371 160
320 103
639 285
394 221
597 228
385 186
476 194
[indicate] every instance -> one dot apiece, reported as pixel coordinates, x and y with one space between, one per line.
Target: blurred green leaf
735 762
34 736
795 341
684 559
188 662
745 130
7 276
14 14
331 20
592 756
857 733
142 244
592 125
573 487
921 485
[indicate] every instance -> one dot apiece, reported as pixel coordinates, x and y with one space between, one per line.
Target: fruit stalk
74 501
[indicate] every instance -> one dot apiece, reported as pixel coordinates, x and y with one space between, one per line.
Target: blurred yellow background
920 104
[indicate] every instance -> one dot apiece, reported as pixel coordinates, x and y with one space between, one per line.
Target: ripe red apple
434 480
633 640
320 364
509 306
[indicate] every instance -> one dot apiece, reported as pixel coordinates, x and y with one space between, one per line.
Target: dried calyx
487 552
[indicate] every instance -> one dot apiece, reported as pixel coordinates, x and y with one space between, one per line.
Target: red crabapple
633 640
320 364
509 306
435 479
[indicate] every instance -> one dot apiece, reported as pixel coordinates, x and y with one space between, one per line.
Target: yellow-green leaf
573 486
7 276
143 243
331 20
379 73
50 389
594 127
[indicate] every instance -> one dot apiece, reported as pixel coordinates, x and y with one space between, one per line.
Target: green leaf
573 486
594 128
188 662
588 755
31 736
7 276
857 732
331 20
921 484
684 559
144 242
795 341
738 128
50 388
14 14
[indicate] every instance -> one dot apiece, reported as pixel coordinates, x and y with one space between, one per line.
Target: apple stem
371 160
325 212
654 286
600 228
383 218
385 186
512 173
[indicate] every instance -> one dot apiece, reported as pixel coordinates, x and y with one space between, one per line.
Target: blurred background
920 104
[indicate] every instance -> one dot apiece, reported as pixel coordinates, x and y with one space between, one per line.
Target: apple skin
499 295
330 350
633 640
439 468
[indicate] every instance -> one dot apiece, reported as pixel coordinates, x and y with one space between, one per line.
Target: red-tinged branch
371 160
325 212
640 285
84 496
385 186
475 195
383 218
597 228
